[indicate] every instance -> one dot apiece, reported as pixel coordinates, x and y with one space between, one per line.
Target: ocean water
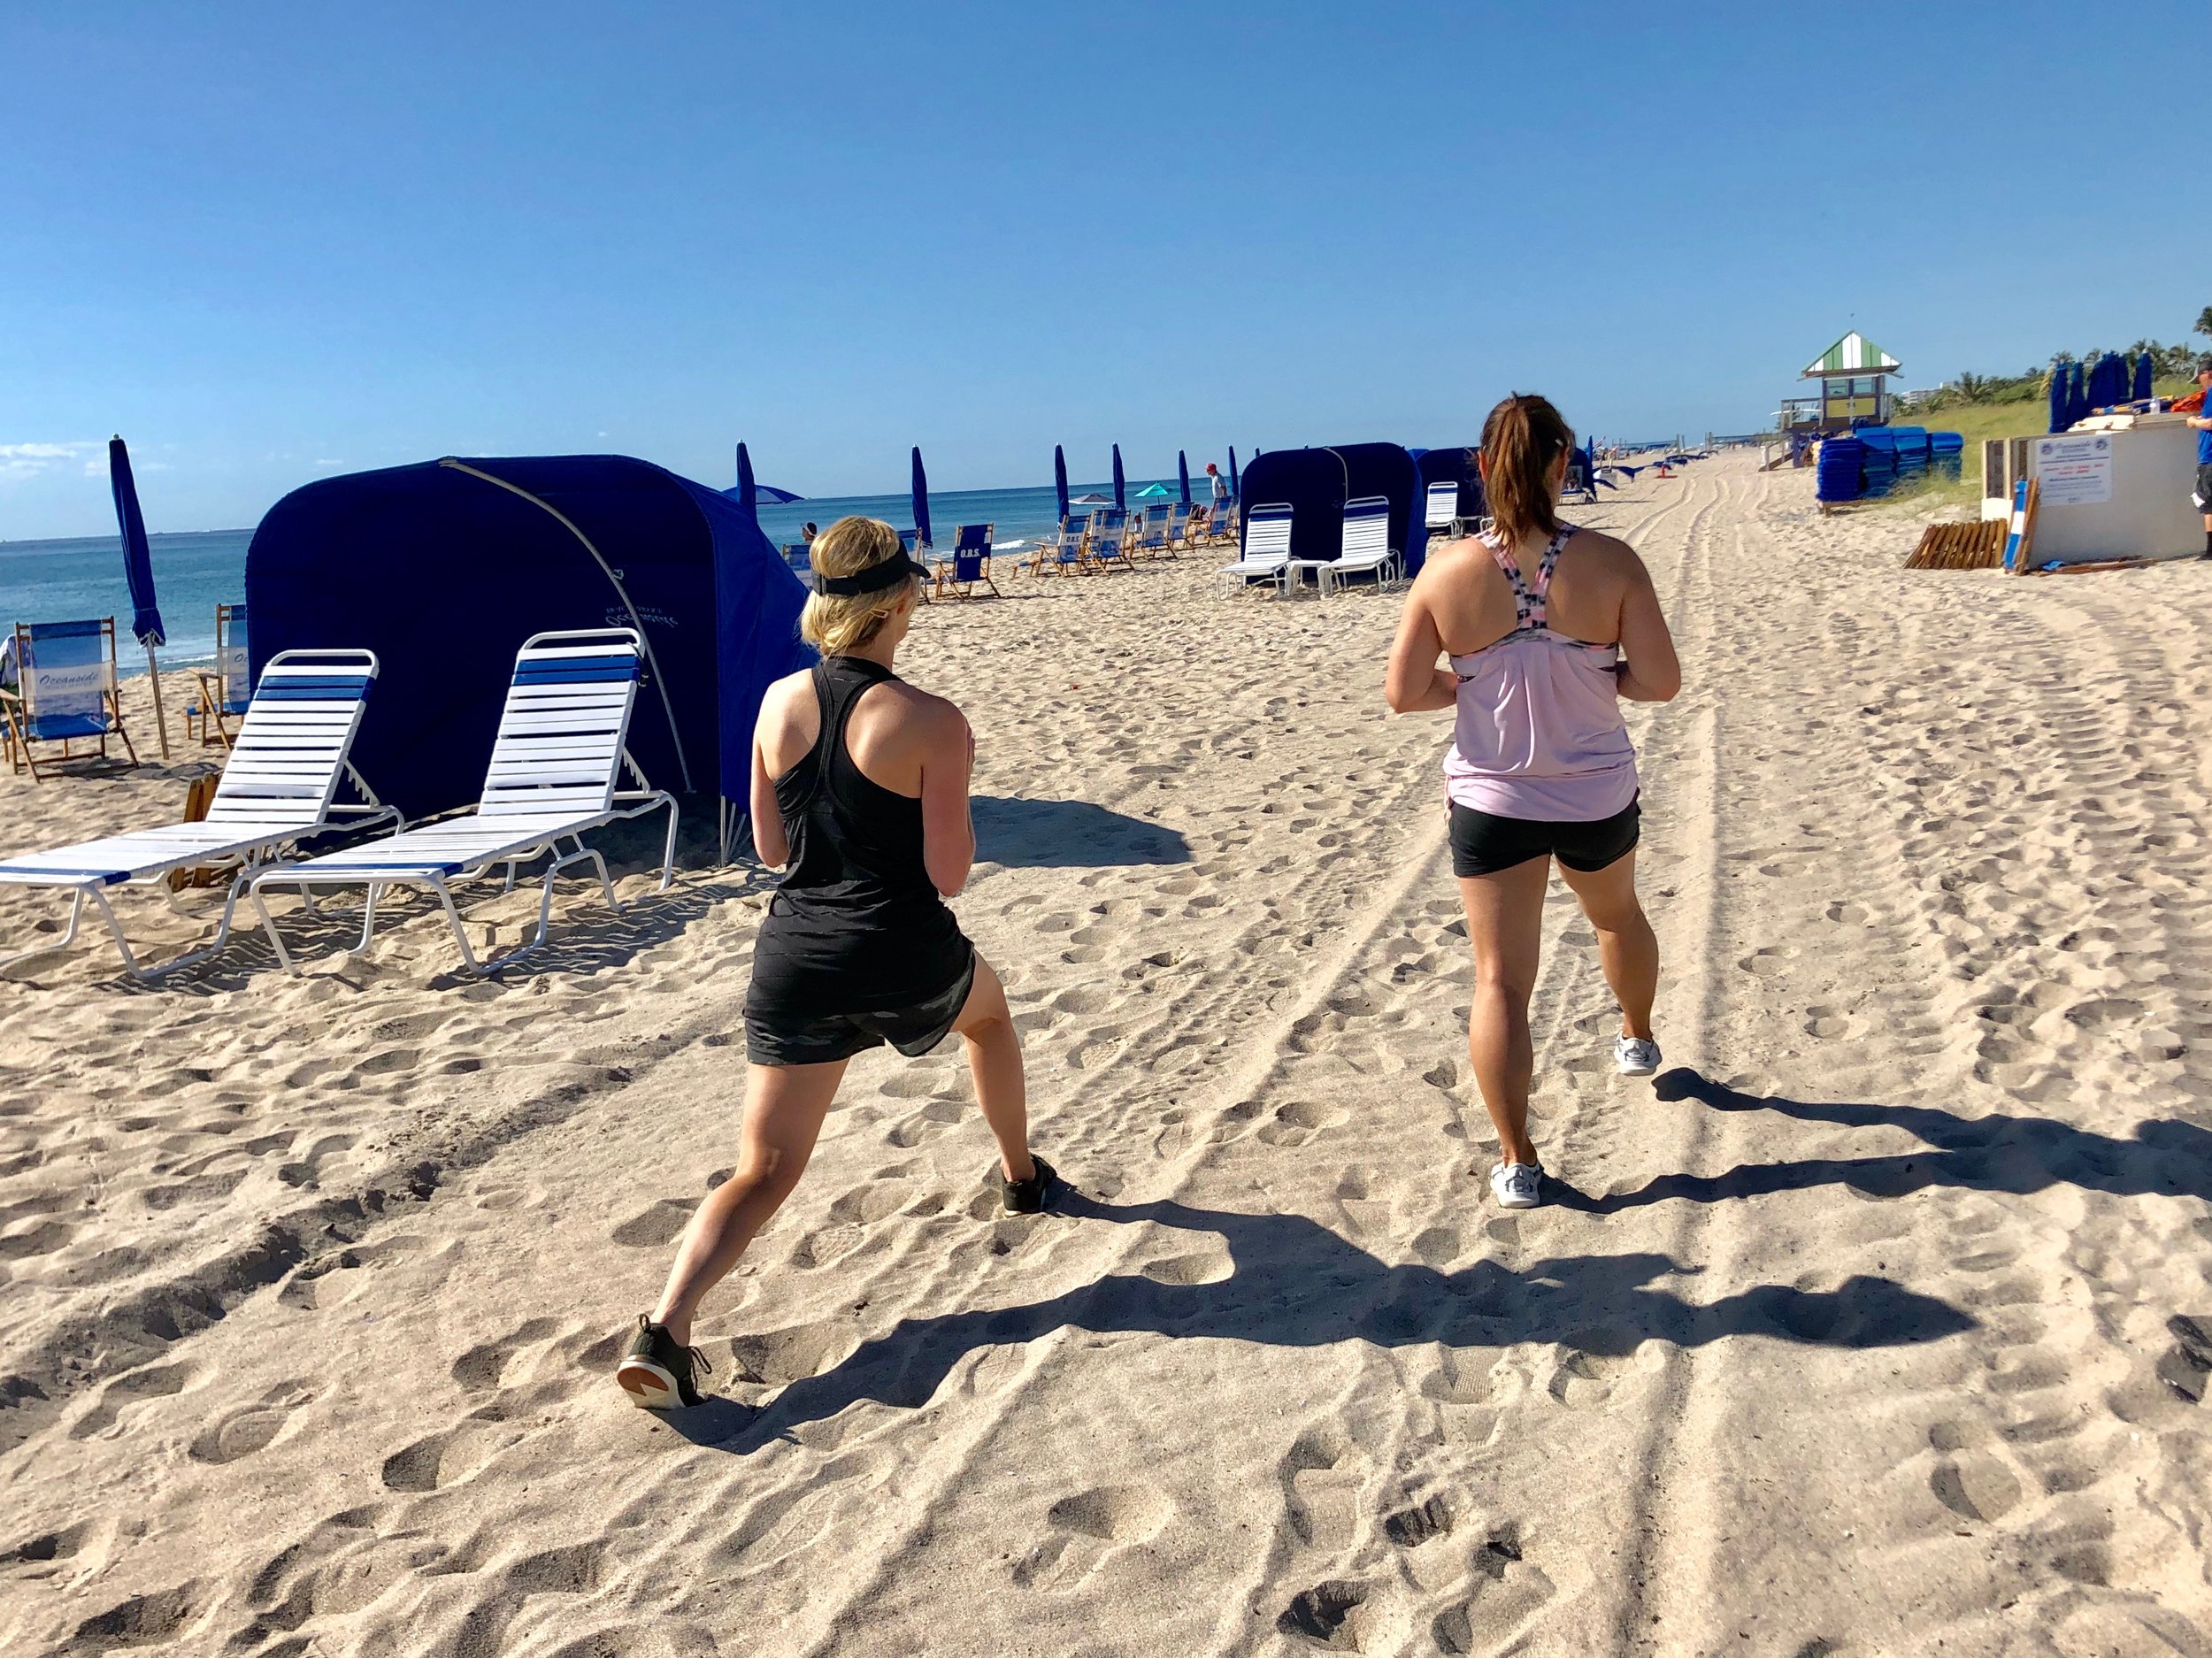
66 581
72 580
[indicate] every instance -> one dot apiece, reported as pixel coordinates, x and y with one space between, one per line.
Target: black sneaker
656 1372
1026 1197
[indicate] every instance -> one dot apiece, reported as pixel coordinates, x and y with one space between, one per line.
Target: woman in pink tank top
1545 628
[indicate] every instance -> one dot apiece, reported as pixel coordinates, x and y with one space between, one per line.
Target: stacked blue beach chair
1947 453
1842 461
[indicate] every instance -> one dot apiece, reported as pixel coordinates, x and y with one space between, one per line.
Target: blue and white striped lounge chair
57 686
225 688
969 564
555 766
280 787
1367 548
1266 550
1148 534
802 564
1062 544
1442 509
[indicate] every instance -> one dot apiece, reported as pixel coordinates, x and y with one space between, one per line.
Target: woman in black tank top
858 946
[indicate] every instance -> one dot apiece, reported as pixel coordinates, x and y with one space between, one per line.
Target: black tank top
857 926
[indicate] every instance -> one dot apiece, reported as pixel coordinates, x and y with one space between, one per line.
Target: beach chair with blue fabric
1106 546
1147 537
278 787
1266 550
58 687
801 564
1367 548
226 688
556 765
1440 511
1062 542
970 563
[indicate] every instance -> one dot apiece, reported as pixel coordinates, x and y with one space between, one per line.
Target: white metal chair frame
1266 550
1367 548
556 749
280 787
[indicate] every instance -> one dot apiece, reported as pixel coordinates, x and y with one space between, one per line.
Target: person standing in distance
1546 628
2202 422
860 795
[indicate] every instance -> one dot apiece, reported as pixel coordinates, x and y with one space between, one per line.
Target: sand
1851 1336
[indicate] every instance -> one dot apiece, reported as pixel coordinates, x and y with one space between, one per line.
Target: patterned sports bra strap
1528 608
1544 569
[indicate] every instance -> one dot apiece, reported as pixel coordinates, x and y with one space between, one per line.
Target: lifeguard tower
1854 390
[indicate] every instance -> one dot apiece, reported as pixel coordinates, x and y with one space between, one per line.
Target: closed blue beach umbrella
1236 485
2058 397
1121 494
138 571
921 502
2142 375
1182 475
748 494
1060 477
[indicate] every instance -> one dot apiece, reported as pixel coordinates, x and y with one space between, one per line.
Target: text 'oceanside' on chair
278 787
57 686
1266 550
555 765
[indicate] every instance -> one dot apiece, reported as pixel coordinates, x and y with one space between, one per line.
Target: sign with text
2075 472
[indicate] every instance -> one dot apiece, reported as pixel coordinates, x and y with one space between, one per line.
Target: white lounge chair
1443 507
1367 548
1266 550
555 765
278 787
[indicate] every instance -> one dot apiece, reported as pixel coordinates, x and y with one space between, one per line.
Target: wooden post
161 718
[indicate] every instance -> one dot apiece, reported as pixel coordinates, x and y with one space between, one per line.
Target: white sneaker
1514 1184
1635 1056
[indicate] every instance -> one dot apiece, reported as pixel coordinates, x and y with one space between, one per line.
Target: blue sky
269 242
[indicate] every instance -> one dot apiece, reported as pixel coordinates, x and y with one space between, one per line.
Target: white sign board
2075 472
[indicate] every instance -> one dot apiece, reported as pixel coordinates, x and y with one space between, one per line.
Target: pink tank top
1539 732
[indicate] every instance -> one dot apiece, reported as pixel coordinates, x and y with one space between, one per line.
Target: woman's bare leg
995 1059
784 1109
1505 925
1627 948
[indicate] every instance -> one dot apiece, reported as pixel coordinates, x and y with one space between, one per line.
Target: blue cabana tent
445 567
1454 464
2059 400
1317 482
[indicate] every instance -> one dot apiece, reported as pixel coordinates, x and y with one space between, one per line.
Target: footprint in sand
478 1370
1298 1122
651 1228
1322 1477
239 1433
1326 1614
157 1381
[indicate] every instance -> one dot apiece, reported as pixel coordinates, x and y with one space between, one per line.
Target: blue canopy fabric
1121 493
1182 474
2107 382
2077 396
138 559
1453 463
444 568
2059 422
2142 388
1060 477
921 500
1312 482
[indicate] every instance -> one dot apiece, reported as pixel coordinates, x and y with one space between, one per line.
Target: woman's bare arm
948 830
1413 683
1651 672
768 837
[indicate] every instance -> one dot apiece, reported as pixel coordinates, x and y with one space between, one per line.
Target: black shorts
780 1039
2204 487
1483 844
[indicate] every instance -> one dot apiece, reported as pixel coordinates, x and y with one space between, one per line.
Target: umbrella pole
161 719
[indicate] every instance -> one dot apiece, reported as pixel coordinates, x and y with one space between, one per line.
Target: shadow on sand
1997 1153
1068 834
1295 1283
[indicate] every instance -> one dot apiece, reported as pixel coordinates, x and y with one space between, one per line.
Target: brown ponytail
1522 440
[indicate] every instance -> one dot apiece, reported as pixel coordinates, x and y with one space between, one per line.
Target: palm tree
2204 321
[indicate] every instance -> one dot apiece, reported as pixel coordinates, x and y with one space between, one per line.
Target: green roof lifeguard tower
1852 374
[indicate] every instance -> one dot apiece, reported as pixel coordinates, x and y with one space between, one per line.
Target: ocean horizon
72 578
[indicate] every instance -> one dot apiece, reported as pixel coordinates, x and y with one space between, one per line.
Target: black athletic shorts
2204 485
1483 844
785 1038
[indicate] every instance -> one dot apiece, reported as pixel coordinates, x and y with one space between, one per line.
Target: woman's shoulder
1598 548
